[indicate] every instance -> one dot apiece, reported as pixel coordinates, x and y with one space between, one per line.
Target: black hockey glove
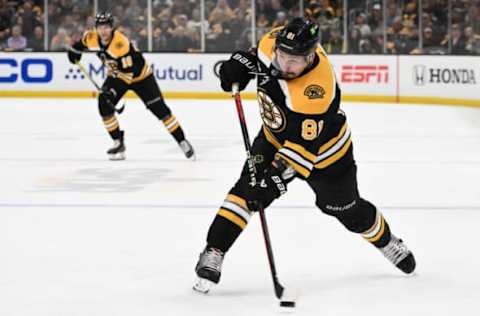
75 53
239 69
270 185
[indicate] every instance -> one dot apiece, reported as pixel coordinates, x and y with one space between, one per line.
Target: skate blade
119 156
203 285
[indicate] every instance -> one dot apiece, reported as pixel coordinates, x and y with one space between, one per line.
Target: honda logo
419 72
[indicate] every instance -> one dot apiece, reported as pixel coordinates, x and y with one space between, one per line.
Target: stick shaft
251 166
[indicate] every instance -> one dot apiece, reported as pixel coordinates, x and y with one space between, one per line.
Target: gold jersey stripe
299 168
234 218
380 233
238 200
271 139
333 158
332 141
299 149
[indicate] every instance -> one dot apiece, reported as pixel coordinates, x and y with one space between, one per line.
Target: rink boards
451 80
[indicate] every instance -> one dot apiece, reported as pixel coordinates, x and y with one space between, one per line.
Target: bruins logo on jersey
314 92
271 114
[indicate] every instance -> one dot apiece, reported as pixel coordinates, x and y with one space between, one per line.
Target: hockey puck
288 304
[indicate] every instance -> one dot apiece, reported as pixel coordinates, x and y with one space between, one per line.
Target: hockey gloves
269 186
239 68
75 53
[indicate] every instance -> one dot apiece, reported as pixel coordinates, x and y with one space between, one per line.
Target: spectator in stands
280 20
29 17
221 13
180 40
194 25
161 40
319 8
457 41
61 41
218 39
375 19
472 41
404 43
6 17
335 42
16 42
428 39
361 24
36 43
353 41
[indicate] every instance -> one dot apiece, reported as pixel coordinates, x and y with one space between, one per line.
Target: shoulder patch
314 91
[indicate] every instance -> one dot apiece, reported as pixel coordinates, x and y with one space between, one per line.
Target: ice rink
81 235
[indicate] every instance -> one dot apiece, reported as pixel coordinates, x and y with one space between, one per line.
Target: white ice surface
80 235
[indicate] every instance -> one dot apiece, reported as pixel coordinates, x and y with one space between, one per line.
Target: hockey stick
279 289
99 90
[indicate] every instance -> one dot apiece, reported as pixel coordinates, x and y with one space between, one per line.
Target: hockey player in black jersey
304 135
127 69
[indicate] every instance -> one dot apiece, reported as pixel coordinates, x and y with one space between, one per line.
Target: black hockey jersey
301 117
122 59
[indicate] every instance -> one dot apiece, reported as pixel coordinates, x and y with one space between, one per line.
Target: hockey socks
112 126
174 128
231 219
379 234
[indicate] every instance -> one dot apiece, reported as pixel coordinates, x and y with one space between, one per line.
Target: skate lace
212 258
395 251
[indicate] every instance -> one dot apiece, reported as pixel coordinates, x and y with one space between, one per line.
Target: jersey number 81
311 129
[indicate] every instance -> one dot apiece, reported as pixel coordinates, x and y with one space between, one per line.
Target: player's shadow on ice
102 180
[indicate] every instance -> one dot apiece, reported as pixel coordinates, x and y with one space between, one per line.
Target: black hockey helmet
299 37
104 18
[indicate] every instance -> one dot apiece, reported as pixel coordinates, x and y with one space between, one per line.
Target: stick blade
288 301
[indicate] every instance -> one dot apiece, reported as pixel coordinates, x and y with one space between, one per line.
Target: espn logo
365 74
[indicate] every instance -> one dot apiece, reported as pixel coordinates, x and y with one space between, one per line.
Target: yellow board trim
245 96
234 218
238 200
339 154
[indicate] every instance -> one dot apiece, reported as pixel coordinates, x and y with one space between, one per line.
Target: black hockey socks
229 223
173 127
379 233
112 126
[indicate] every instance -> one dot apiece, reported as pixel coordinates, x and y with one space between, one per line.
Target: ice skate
117 152
187 149
398 254
208 269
